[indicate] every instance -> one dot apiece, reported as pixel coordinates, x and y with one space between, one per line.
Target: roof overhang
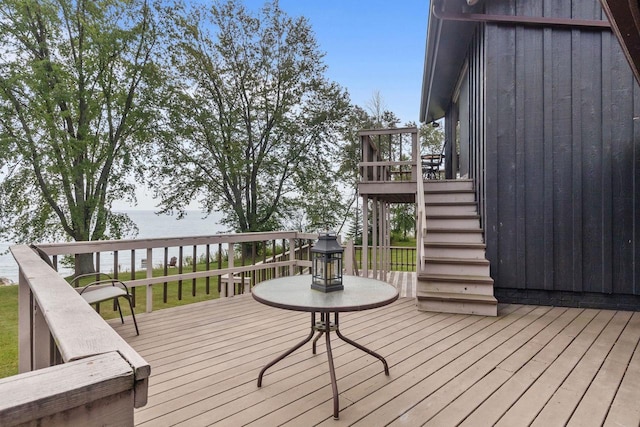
624 16
446 47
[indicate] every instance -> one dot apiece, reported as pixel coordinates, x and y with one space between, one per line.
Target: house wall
561 155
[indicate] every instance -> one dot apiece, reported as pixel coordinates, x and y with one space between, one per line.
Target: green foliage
431 139
403 219
79 101
254 118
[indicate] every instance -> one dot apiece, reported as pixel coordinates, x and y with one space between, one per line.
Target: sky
371 47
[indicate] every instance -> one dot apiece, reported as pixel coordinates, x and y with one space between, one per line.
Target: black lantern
326 268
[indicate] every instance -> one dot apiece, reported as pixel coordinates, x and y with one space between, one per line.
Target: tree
255 121
403 219
431 139
78 98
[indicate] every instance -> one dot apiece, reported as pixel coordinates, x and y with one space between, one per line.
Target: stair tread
453 216
452 203
450 190
451 260
444 181
454 278
451 296
456 245
454 230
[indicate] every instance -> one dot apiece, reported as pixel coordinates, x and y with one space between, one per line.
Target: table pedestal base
325 326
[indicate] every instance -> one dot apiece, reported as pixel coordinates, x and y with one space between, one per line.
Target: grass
8 331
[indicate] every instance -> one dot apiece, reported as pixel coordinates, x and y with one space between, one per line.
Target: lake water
150 225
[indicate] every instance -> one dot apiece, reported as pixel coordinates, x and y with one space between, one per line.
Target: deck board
540 365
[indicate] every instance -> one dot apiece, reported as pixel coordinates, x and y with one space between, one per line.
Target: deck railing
75 369
401 258
83 372
389 155
230 263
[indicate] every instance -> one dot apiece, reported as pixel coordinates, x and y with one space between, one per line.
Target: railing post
292 256
41 339
349 259
365 236
149 307
415 172
25 310
230 282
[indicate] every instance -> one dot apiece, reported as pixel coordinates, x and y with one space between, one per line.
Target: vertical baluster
132 275
219 267
263 272
180 272
242 263
194 269
98 266
253 262
283 270
207 255
115 274
273 258
165 284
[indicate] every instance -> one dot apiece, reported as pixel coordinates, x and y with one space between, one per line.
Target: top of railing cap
72 248
388 131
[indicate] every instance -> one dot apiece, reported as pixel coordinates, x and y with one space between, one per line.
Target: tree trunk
84 264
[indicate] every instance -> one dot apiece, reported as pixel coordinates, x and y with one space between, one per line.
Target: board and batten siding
561 181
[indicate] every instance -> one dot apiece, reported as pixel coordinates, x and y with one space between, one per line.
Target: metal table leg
325 327
360 346
288 352
332 372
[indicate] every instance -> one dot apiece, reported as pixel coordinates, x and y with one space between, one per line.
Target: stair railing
421 219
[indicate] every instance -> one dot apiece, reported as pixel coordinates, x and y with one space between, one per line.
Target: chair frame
103 280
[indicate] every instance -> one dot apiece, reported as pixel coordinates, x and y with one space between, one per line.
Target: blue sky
370 46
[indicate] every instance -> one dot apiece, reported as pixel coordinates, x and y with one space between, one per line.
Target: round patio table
295 293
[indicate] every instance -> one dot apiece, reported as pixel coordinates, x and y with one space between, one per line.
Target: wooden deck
544 366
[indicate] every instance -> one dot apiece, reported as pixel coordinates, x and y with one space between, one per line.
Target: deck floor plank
525 410
447 372
598 398
624 410
562 404
541 365
472 389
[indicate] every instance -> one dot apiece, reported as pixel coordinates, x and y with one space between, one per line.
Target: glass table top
295 293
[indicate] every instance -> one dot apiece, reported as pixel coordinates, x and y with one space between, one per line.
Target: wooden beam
624 16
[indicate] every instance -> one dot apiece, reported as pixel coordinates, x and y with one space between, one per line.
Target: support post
149 288
365 236
25 313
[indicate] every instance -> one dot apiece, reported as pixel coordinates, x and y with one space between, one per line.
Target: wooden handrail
56 326
421 220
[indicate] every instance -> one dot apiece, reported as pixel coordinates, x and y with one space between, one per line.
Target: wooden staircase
455 275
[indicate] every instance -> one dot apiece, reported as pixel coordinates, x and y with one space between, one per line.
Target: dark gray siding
561 181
